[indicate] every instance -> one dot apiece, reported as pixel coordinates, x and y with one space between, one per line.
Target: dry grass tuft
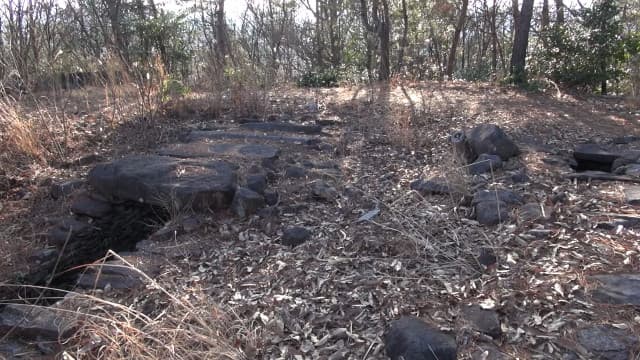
19 133
163 324
437 233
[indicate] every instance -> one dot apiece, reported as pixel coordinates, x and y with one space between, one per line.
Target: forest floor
333 296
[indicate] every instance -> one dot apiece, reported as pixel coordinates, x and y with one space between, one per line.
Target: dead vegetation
249 297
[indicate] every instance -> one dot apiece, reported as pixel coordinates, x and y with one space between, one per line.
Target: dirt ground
333 296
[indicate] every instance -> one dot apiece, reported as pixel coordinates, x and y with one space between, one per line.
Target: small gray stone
246 202
295 236
623 140
632 194
533 211
433 186
410 338
632 170
520 177
271 197
257 183
491 212
66 188
295 172
503 195
485 163
539 233
488 352
487 256
323 191
484 321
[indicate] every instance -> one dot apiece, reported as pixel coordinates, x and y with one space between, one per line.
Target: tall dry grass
168 321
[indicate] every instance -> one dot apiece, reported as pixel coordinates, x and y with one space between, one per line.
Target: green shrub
173 89
326 78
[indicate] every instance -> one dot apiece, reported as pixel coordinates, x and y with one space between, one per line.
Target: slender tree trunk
384 31
405 34
494 38
318 35
516 15
545 14
559 12
451 61
520 43
221 35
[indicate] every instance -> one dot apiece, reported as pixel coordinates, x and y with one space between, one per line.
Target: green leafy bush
326 78
173 89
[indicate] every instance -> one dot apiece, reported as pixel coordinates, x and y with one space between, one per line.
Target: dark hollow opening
582 165
120 231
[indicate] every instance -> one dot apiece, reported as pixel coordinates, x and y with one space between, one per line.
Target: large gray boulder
491 139
410 338
160 181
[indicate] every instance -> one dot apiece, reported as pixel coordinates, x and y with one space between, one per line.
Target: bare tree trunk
451 61
494 38
405 34
221 35
559 12
114 11
384 30
520 43
545 14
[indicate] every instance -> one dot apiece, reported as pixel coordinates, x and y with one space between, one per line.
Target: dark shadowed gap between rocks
593 157
81 241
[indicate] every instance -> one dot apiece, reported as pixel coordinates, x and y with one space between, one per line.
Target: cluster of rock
481 150
411 338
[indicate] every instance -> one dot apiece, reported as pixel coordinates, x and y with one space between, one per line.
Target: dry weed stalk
183 326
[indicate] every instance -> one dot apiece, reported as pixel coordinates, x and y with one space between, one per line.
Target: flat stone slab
282 126
204 149
632 195
607 342
215 135
116 274
594 152
35 322
601 175
619 289
162 181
